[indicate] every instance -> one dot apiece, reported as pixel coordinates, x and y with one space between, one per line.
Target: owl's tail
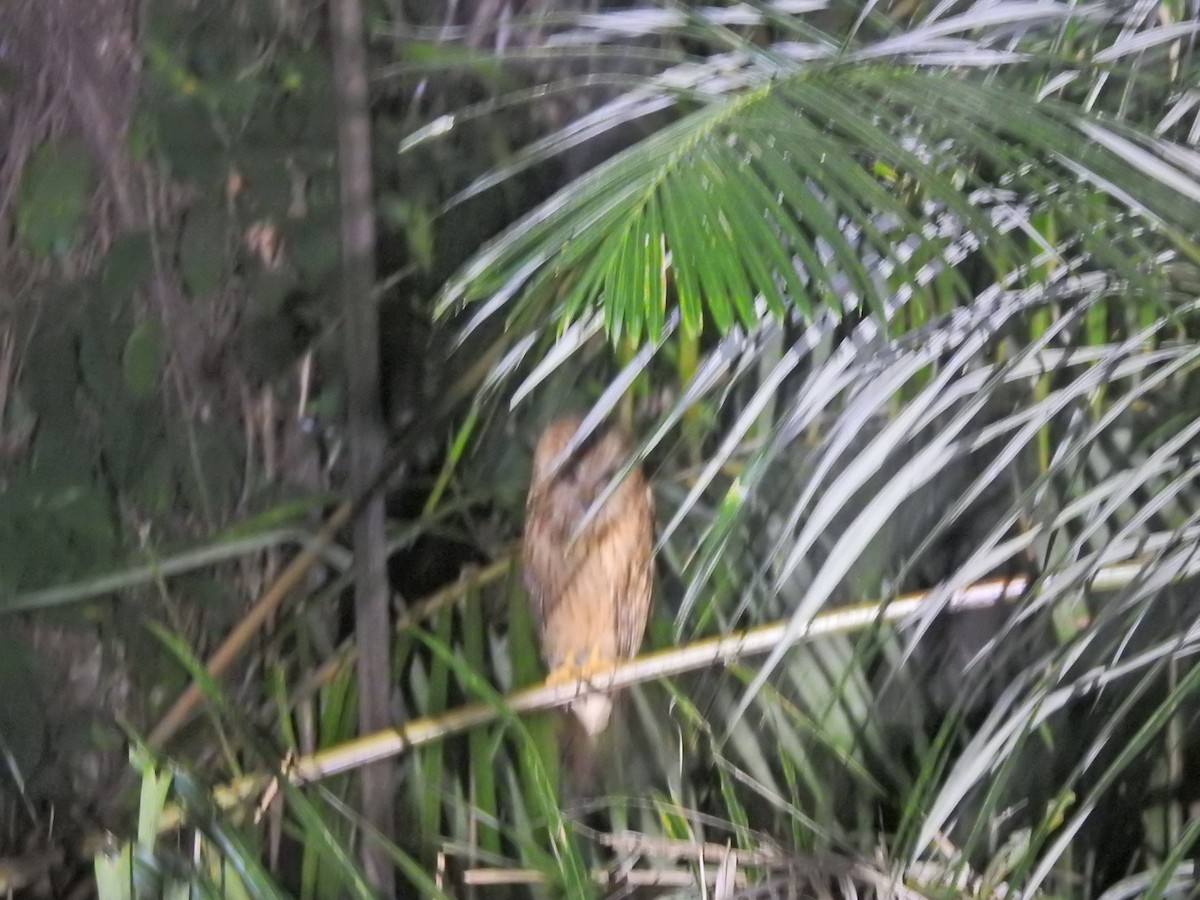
591 713
593 710
589 716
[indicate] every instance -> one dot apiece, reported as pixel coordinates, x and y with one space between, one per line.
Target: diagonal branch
670 662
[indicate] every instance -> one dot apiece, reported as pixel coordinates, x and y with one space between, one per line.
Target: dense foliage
900 302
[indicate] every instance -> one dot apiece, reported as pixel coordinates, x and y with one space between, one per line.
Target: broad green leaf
143 360
54 193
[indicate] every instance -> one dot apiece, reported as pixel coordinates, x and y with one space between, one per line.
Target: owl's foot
592 672
562 675
591 706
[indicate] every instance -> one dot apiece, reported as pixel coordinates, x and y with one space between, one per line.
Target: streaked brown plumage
590 591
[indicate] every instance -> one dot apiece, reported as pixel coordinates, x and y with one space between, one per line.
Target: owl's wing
546 566
632 607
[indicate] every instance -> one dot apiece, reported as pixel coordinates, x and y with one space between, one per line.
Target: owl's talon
595 665
584 673
562 675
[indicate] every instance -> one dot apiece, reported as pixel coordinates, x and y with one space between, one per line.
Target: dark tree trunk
365 424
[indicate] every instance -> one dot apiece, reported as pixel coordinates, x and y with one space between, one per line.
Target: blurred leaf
133 435
207 460
414 220
203 253
184 135
269 184
268 293
126 267
316 256
53 196
239 857
482 744
22 712
143 360
9 79
52 369
53 528
155 488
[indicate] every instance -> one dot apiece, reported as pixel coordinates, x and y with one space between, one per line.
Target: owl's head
592 463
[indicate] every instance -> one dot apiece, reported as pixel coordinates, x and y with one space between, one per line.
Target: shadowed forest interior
505 449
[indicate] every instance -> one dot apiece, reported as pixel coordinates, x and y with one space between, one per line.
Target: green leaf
184 136
269 184
128 263
22 715
268 292
51 374
317 257
205 247
53 197
143 359
155 488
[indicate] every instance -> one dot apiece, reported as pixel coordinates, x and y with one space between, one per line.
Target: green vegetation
899 301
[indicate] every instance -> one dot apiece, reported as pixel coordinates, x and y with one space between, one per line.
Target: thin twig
495 877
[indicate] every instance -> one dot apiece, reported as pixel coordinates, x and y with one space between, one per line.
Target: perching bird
589 587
